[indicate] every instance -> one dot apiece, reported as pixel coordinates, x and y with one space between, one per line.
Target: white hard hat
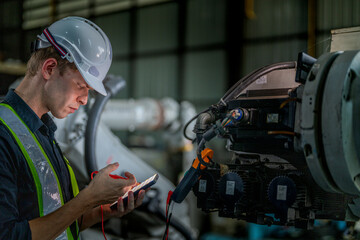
84 43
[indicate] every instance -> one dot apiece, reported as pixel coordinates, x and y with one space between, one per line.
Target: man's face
65 94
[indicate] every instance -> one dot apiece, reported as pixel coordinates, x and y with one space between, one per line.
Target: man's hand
105 189
121 210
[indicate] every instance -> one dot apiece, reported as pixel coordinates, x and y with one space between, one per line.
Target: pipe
146 113
113 85
311 42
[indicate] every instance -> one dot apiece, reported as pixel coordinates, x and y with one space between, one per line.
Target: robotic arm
294 132
88 142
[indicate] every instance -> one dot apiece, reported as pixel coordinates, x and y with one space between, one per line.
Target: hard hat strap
63 53
34 46
38 44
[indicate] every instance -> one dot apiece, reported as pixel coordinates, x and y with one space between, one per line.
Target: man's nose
83 99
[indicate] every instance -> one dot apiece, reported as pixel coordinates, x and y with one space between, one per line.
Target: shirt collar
47 120
28 115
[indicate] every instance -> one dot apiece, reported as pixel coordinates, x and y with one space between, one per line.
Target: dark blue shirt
18 197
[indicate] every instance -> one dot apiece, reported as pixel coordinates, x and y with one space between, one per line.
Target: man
39 197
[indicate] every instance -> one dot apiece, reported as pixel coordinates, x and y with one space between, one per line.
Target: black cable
198 153
188 123
153 206
176 224
167 227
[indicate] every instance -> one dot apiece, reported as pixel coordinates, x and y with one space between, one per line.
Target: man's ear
48 68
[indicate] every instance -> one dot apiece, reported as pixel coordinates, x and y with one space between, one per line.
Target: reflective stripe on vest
48 188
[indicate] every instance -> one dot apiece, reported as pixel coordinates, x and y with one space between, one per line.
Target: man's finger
131 180
111 167
120 206
130 206
140 198
130 175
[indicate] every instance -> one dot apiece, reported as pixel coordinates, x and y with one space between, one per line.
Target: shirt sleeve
12 225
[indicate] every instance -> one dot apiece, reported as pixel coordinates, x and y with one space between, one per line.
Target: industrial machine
294 131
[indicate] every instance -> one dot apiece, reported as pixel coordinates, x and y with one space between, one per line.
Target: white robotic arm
119 114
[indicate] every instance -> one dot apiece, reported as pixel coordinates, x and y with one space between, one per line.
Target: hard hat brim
93 82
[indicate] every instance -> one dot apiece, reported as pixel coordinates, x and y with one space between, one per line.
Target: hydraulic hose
113 85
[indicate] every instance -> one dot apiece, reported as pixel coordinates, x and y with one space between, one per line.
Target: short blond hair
38 57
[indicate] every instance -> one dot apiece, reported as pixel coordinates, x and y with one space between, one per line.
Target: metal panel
156 77
333 14
345 39
69 7
112 6
259 55
355 13
117 28
156 29
277 34
347 13
39 12
205 76
205 22
336 14
320 11
277 18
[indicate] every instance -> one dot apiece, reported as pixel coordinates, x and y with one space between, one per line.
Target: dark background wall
191 49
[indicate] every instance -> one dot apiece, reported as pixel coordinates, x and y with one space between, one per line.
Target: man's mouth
73 109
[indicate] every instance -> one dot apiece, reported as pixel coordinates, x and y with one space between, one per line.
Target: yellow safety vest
49 194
